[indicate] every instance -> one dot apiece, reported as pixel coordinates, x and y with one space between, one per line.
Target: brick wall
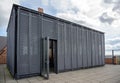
3 54
109 60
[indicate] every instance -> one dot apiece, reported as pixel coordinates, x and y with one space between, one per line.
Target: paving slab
11 81
23 81
105 74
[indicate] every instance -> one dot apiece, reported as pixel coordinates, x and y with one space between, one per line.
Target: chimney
40 10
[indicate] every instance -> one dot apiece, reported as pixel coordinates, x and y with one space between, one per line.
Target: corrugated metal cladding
77 46
11 43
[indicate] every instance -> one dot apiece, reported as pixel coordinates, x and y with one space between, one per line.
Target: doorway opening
53 56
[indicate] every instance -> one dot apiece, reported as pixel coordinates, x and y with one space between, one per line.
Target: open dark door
45 58
53 55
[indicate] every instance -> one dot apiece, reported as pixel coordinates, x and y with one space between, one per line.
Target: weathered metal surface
77 46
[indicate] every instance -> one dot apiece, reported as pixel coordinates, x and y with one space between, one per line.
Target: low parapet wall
111 61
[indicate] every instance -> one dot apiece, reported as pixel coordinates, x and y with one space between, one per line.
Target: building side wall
79 47
11 43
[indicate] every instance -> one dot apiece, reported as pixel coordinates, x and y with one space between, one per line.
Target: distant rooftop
110 56
3 42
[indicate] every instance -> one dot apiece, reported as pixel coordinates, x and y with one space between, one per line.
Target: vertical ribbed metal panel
74 52
23 57
93 49
11 43
63 43
79 49
90 43
34 44
40 40
100 53
67 47
89 48
103 49
17 41
82 32
71 46
84 36
66 58
60 47
28 58
49 28
99 58
96 47
86 50
67 66
90 39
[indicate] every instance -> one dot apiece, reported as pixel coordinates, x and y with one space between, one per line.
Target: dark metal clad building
39 43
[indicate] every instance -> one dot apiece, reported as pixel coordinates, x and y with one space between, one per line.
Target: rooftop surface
104 74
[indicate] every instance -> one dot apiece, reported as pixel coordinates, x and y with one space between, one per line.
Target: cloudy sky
103 15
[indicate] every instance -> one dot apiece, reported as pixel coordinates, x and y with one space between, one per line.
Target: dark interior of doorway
52 55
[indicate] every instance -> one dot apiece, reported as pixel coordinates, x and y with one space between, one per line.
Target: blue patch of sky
3 31
34 4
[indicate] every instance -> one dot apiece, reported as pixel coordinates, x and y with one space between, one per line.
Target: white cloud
5 9
103 15
116 23
80 10
113 43
89 12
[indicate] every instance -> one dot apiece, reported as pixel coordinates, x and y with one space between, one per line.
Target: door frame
45 58
45 72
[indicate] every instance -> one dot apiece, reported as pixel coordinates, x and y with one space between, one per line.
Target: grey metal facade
77 46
